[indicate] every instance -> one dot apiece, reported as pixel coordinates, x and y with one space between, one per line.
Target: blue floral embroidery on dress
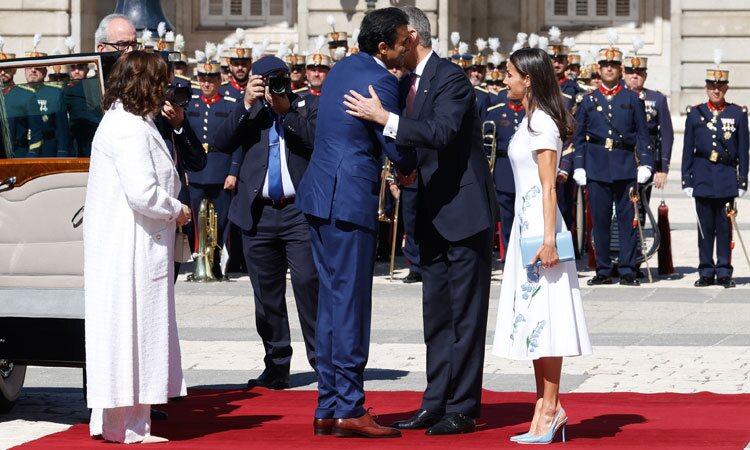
531 341
531 193
518 321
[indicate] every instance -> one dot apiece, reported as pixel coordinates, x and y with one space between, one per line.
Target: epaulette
183 77
566 95
495 106
579 97
196 96
230 99
226 82
687 110
23 86
480 88
302 89
53 85
744 109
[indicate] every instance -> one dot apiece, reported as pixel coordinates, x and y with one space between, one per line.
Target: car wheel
11 382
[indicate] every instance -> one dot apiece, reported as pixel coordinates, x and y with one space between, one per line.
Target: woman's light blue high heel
557 424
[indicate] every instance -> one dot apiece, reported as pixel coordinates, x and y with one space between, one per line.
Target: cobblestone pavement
660 337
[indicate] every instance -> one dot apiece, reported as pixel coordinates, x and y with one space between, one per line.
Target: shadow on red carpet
263 419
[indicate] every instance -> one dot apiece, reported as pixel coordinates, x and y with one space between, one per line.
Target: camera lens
178 95
280 85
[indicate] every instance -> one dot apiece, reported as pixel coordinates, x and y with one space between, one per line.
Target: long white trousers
128 424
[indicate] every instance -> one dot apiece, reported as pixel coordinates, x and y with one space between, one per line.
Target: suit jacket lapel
424 84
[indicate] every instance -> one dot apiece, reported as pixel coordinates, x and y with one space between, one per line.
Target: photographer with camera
275 129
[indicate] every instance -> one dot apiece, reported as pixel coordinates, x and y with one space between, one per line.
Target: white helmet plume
718 54
331 21
179 43
239 34
320 41
637 44
200 56
463 48
494 44
554 35
37 39
521 37
481 45
612 36
543 43
210 51
533 40
569 42
455 38
161 29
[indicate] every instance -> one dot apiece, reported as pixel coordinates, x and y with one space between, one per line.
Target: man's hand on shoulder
369 109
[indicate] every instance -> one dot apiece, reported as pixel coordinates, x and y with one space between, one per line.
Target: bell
143 13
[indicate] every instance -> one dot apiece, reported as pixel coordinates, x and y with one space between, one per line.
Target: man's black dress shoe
727 282
629 280
420 420
271 379
599 279
704 281
157 414
452 424
413 277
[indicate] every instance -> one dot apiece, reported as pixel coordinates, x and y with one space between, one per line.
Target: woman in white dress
132 210
540 315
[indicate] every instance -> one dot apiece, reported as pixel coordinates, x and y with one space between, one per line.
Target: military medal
727 135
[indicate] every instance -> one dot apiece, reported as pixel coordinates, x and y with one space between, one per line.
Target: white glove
741 192
688 192
644 173
580 176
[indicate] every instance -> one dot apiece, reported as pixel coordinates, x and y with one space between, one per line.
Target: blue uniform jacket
342 179
232 89
484 101
506 117
205 119
727 135
622 119
660 129
572 96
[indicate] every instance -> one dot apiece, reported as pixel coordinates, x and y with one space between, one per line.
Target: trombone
489 141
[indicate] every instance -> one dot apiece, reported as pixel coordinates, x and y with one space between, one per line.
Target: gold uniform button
157 237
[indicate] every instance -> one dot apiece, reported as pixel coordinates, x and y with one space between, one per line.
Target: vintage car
46 129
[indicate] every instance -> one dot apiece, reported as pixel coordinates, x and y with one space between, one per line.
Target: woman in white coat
132 211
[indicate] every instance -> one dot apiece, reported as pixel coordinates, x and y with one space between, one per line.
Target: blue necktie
275 187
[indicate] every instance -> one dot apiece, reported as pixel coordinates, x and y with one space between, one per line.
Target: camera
177 95
279 85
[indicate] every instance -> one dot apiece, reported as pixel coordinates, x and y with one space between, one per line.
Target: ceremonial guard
714 173
296 63
658 119
572 95
240 62
506 115
317 66
50 108
24 124
612 156
217 180
473 67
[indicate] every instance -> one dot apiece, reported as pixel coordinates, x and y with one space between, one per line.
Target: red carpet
263 419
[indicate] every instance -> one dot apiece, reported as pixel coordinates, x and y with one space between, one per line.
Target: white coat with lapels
132 348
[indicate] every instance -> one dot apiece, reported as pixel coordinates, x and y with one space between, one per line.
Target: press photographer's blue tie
275 187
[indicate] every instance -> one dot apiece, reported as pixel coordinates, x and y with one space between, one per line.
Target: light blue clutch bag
530 245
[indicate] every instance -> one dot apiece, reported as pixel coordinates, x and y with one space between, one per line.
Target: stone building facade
679 35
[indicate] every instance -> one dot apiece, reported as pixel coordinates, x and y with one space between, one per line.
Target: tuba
386 176
489 141
206 222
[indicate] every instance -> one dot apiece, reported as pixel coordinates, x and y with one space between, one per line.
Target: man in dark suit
276 133
454 182
339 195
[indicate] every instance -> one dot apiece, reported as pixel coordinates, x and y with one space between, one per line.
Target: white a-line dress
540 312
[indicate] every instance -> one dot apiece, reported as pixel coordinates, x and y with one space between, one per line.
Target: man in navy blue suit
275 132
440 120
339 195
